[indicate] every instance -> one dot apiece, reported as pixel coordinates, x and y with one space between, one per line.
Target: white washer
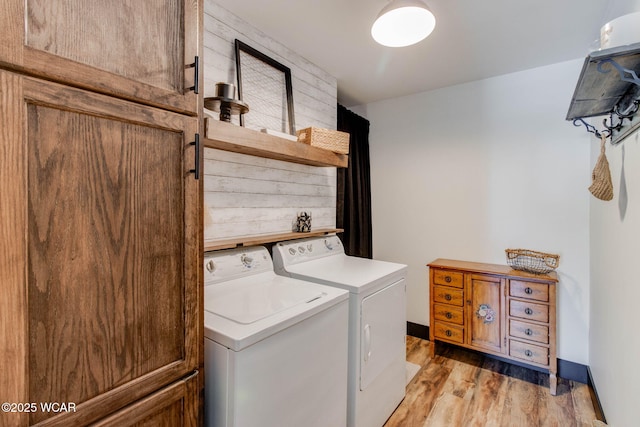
377 320
275 347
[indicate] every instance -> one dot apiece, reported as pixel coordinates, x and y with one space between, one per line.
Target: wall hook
611 128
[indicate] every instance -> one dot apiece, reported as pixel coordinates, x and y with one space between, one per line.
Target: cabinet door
132 49
485 308
101 250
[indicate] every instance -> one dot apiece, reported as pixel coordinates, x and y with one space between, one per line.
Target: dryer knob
247 260
328 244
292 251
211 266
310 247
301 249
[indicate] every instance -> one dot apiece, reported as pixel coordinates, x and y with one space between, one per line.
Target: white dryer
275 347
377 320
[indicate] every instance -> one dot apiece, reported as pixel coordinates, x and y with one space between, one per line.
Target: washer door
383 331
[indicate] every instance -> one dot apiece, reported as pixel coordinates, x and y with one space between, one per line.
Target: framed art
265 85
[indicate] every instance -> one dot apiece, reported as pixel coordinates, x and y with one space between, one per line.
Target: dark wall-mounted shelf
608 85
600 87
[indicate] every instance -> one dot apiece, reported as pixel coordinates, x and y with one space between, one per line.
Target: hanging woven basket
601 185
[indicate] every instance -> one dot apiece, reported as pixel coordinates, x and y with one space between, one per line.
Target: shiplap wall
247 195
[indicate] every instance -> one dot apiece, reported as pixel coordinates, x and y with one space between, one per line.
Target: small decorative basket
327 139
532 261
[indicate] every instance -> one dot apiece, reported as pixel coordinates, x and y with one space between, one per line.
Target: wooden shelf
214 245
230 137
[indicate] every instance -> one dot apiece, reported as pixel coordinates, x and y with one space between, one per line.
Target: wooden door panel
105 245
108 299
65 29
136 50
175 405
486 298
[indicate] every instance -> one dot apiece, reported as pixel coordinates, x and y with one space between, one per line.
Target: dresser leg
433 349
553 383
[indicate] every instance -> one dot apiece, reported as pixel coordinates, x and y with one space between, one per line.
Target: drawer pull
447 297
528 311
528 332
528 291
448 333
447 279
448 315
528 353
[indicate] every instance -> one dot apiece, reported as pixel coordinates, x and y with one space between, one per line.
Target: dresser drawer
448 278
448 295
529 310
529 331
529 290
448 313
449 332
529 352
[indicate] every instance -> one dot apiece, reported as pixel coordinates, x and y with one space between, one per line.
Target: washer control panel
234 263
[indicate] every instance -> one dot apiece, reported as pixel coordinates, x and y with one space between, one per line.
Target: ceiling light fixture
403 23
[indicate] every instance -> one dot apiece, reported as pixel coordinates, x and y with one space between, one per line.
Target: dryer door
383 333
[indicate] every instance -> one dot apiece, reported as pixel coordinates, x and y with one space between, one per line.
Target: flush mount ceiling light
403 23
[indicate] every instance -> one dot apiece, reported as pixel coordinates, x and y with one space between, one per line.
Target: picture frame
265 85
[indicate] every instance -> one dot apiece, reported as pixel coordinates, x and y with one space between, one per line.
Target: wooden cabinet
497 310
101 226
101 254
139 50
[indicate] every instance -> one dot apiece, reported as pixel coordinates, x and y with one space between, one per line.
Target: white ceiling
473 39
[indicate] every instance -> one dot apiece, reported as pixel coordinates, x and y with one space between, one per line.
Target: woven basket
327 139
601 186
532 261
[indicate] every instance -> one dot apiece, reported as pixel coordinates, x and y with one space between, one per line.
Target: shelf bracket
610 127
591 129
626 75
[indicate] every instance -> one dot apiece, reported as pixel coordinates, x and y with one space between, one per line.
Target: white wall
614 342
246 195
467 171
615 287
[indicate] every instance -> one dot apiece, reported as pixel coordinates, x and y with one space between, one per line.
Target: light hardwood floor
462 388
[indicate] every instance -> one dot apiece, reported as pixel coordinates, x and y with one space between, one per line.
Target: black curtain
353 209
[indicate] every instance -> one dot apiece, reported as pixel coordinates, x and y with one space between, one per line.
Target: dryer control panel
297 251
235 263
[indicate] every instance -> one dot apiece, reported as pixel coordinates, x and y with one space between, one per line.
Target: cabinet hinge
196 169
196 74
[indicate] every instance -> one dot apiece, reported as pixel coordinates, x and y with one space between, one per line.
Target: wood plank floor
462 388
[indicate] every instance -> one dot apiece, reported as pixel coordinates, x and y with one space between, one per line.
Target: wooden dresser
497 310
